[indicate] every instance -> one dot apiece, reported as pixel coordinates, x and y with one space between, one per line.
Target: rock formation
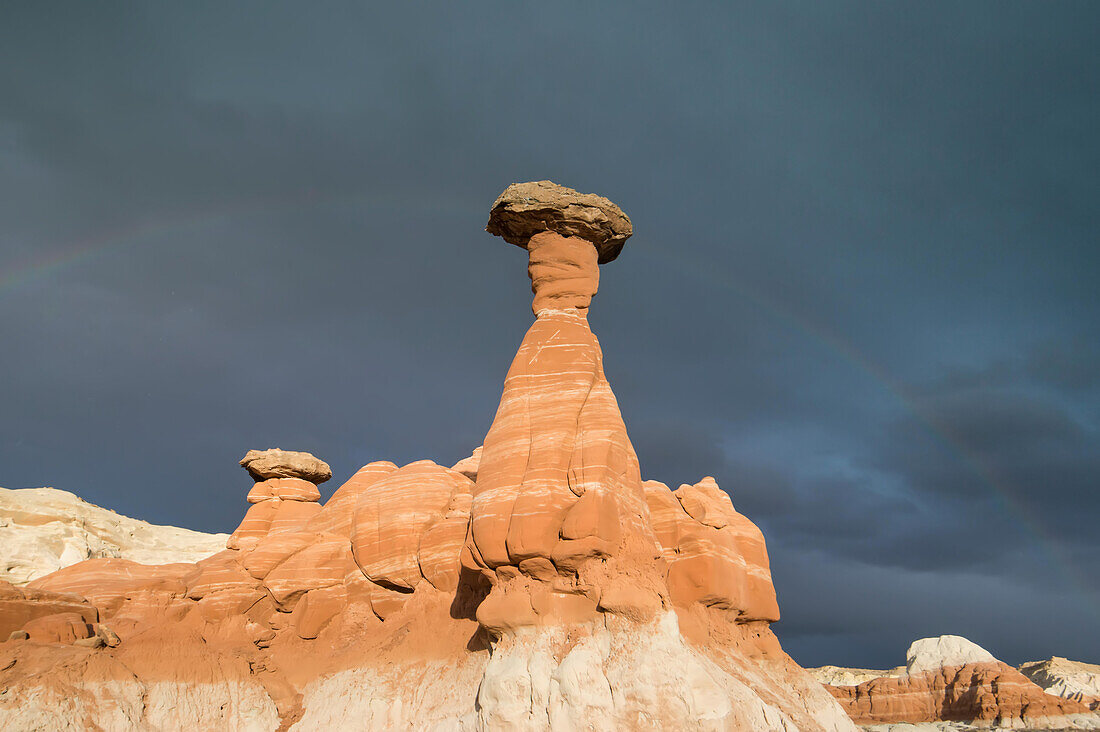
1063 677
539 584
285 496
43 530
951 680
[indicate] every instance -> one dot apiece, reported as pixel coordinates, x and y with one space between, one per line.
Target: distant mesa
949 679
1062 677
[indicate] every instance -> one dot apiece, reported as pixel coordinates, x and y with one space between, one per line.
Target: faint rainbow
118 238
1001 491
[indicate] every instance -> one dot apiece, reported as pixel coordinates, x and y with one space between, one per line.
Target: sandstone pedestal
285 496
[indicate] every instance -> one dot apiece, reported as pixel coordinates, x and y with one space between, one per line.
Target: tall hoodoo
559 511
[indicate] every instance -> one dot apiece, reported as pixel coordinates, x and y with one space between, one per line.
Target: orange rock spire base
538 584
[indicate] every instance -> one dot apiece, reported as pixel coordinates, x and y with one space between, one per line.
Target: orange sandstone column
559 510
563 271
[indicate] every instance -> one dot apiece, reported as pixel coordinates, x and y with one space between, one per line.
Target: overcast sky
862 292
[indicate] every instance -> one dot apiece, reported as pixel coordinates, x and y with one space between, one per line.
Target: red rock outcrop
715 555
59 628
20 606
967 685
411 525
538 584
107 583
559 515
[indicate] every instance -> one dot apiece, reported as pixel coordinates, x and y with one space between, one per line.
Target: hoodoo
539 584
559 514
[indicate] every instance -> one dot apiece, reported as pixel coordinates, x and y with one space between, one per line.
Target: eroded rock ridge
43 530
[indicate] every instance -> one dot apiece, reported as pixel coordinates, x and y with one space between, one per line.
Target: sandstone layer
539 584
44 529
950 681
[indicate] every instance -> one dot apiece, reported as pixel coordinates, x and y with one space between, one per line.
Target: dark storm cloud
1072 365
861 293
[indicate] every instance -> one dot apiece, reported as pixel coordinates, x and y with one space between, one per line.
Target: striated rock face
1063 677
563 271
558 509
410 526
43 530
21 606
715 555
950 679
539 584
338 514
